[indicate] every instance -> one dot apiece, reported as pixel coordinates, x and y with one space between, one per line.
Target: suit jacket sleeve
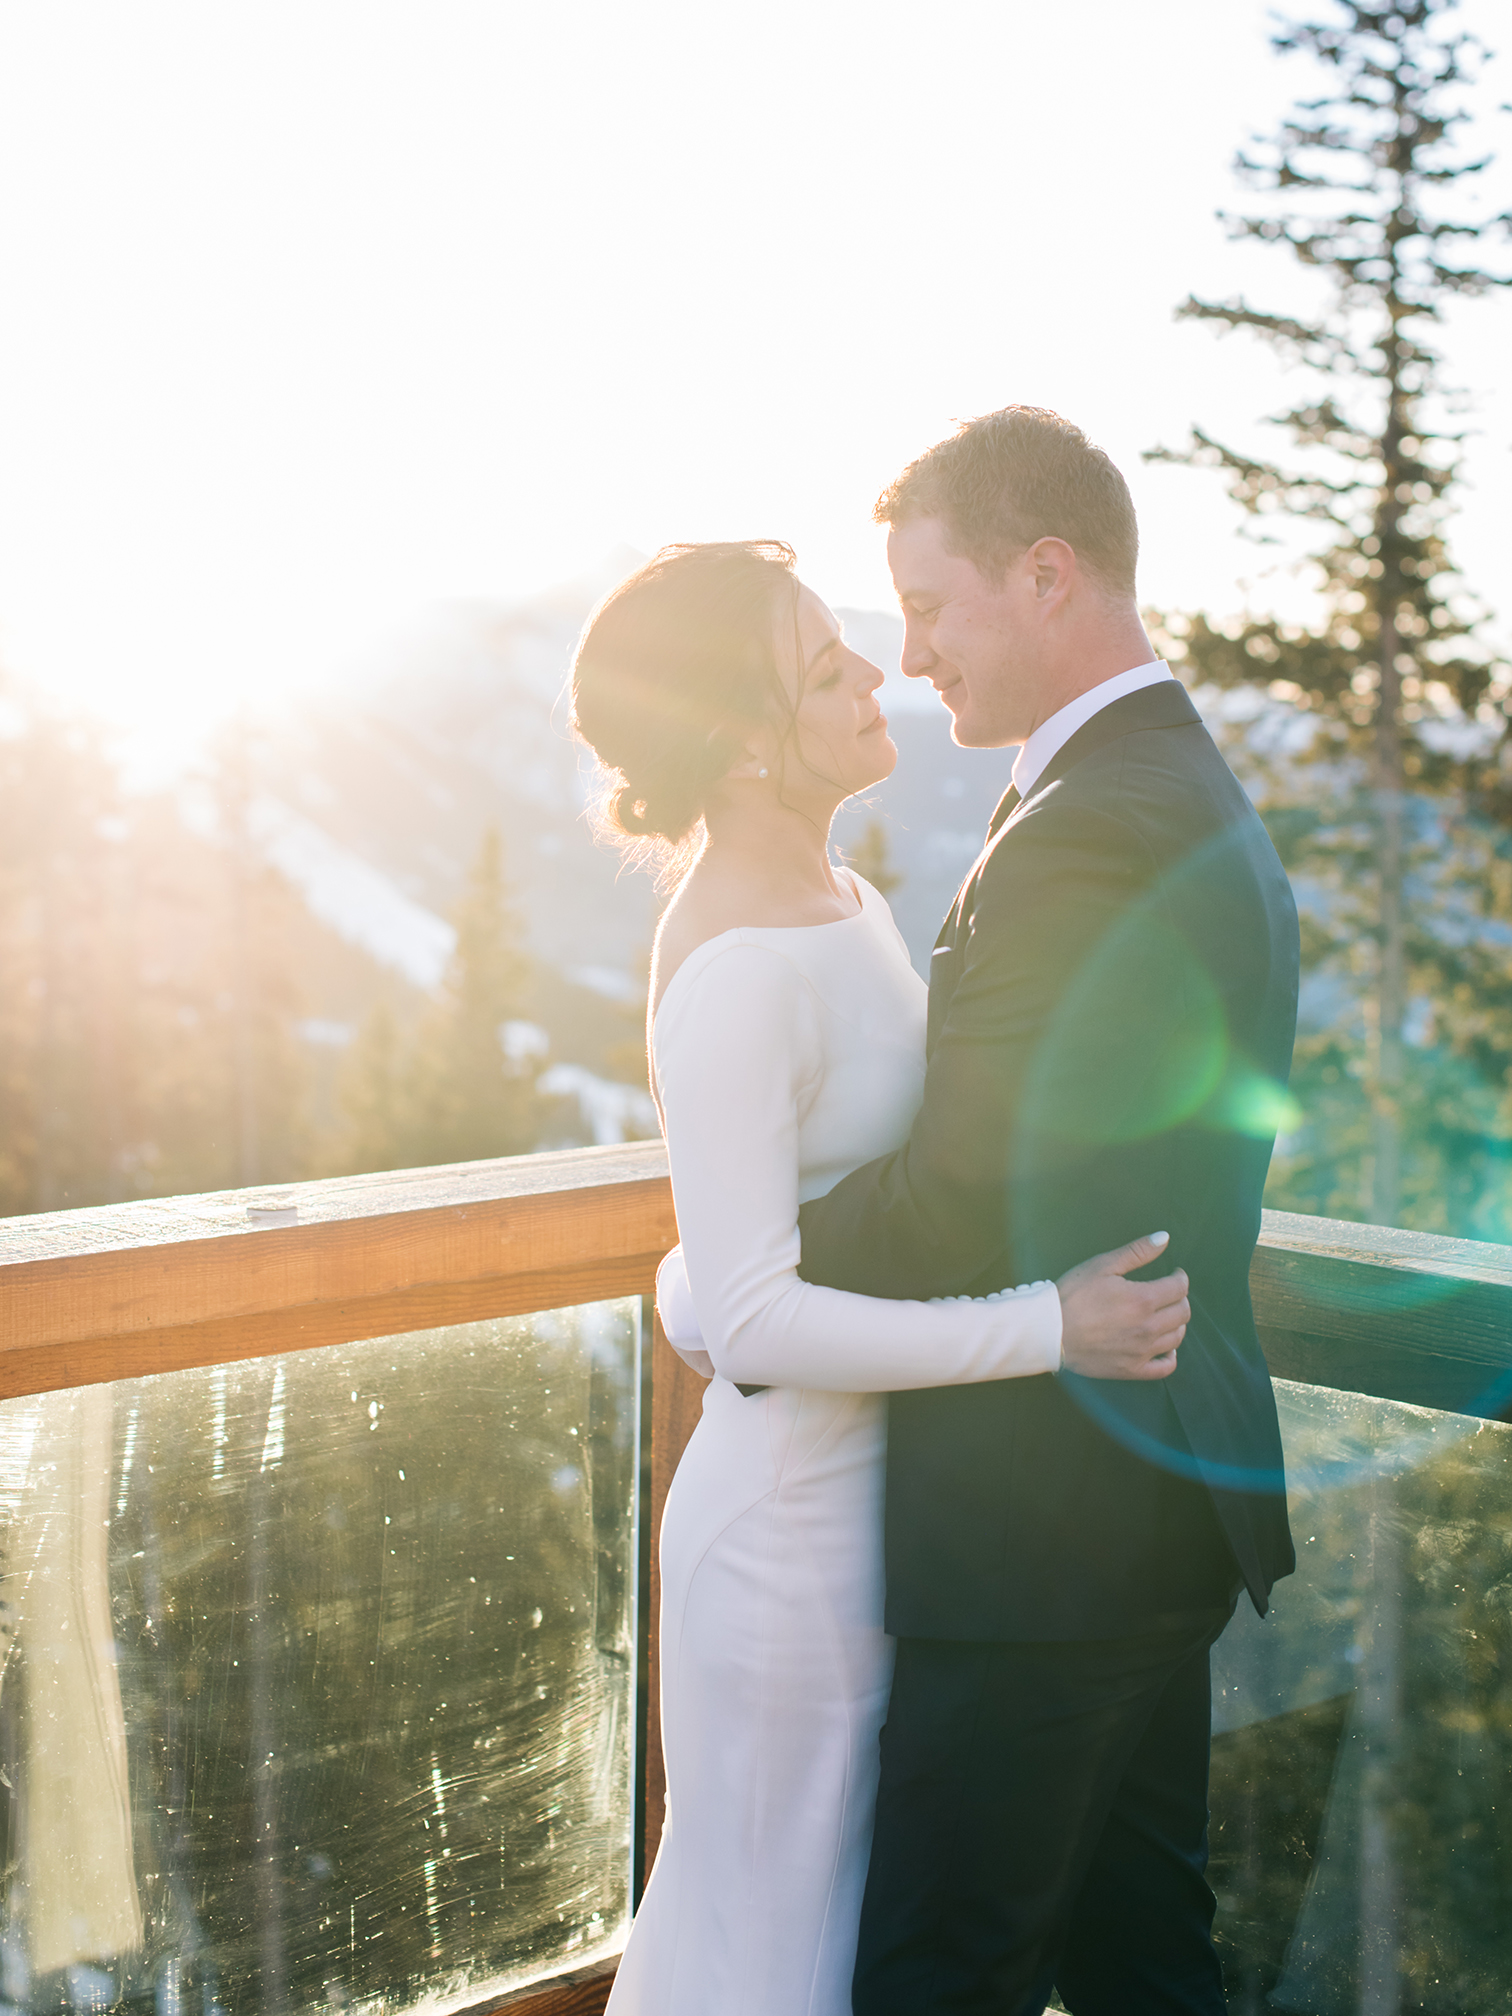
1044 940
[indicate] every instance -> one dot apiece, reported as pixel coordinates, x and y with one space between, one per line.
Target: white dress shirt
1047 741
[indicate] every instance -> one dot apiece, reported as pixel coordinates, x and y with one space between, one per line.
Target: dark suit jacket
1112 1004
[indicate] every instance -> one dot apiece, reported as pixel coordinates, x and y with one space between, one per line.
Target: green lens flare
1156 1062
1248 1103
1142 1044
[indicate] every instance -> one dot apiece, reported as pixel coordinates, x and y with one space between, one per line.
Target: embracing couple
945 1557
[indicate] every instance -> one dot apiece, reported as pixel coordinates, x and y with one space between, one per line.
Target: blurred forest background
378 934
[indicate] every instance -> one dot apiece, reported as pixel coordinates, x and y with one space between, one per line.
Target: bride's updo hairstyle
672 670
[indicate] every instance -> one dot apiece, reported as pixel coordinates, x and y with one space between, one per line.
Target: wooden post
676 1404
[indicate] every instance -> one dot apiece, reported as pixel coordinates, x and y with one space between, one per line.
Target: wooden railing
1401 1315
91 1296
87 1296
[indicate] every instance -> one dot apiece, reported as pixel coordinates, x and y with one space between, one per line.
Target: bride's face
839 742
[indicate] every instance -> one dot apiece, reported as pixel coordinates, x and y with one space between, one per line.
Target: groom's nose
918 658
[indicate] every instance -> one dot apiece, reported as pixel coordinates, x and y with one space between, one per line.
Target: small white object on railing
272 1211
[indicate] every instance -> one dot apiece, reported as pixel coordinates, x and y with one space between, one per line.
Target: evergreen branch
1325 134
1262 487
1324 426
1284 332
1472 281
1239 313
1448 228
1458 171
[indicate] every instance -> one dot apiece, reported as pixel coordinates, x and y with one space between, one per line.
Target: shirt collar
1051 736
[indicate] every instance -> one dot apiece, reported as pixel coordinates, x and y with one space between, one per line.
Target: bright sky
317 315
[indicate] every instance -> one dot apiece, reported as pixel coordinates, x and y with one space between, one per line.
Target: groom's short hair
1002 481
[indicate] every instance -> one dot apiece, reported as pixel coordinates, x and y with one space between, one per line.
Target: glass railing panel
318 1677
1362 1761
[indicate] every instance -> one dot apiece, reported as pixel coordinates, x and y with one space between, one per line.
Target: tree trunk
1391 986
1391 982
1380 1724
51 1066
236 813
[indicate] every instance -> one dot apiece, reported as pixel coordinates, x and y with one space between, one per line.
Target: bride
787 1047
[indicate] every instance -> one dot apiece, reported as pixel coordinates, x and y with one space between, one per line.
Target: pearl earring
761 773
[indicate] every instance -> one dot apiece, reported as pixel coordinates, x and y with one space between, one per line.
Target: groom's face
974 640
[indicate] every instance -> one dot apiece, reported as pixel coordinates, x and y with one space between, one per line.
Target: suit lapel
1163 705
1006 806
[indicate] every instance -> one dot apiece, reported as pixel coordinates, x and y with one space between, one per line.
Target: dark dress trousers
1112 1005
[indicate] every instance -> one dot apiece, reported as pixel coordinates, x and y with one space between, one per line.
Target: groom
1111 1009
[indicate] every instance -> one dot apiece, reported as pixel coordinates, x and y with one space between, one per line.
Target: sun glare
317 319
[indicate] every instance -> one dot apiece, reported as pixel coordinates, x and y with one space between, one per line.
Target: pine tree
372 1098
872 858
629 1060
147 997
1410 698
69 1068
468 1096
229 1083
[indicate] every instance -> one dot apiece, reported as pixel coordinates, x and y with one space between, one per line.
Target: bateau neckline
857 882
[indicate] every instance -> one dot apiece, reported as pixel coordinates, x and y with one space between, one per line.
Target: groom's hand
1117 1329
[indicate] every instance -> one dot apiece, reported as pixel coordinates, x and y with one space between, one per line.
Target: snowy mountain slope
359 902
465 727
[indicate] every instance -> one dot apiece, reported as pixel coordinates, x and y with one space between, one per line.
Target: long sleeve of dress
737 1052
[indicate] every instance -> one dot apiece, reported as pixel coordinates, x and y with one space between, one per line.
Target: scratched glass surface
1362 1762
317 1687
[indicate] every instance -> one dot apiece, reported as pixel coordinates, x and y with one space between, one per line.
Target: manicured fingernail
1159 1238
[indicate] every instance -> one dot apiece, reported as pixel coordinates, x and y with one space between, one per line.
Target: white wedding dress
783 1059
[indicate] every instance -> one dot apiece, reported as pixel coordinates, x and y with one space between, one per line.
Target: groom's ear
1052 566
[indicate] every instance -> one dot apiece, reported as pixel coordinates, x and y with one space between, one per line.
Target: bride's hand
1117 1329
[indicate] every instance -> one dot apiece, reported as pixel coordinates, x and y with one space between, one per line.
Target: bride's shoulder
706 907
713 962
689 921
723 960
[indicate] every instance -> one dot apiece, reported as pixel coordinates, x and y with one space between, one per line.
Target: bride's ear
753 752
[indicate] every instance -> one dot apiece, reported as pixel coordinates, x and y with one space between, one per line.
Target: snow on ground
611 983
357 900
611 1112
